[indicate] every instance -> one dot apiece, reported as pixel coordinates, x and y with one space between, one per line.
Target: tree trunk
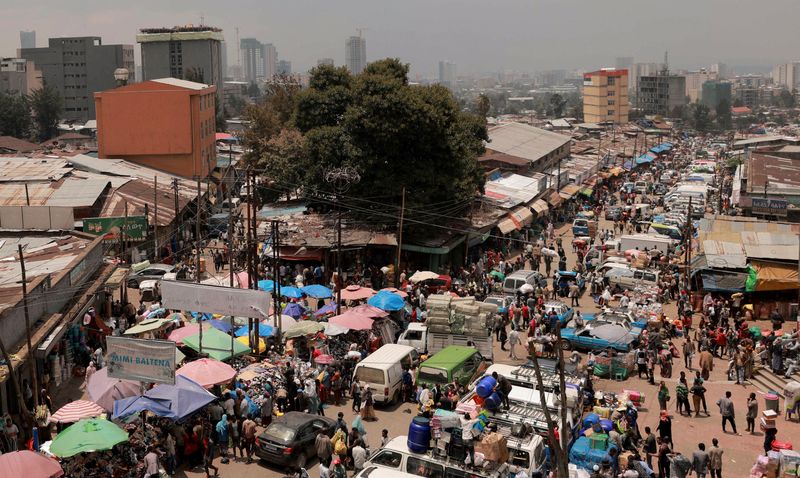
557 452
562 471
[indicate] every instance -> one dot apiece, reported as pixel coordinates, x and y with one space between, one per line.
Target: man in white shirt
359 457
151 463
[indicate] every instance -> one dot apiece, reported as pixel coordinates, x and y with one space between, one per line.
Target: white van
517 279
630 278
382 371
383 472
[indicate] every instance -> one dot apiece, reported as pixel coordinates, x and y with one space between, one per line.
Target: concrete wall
204 55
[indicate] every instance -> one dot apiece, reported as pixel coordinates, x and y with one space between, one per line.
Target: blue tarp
628 165
294 310
221 325
329 308
203 316
317 291
133 405
185 397
274 211
264 330
266 285
645 158
386 300
291 292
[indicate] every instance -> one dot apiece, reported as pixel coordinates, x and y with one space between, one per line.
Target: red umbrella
178 335
352 321
29 464
74 411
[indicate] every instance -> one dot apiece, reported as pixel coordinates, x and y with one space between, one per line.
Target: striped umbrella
74 411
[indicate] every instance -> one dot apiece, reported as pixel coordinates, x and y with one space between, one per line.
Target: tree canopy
15 116
47 106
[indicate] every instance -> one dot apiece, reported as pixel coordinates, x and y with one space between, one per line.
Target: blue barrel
419 435
485 386
590 420
606 425
493 401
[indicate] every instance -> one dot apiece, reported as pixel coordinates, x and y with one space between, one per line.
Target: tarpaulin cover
718 281
752 279
645 158
185 397
133 405
775 276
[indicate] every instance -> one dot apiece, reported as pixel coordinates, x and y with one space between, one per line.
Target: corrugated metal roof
29 169
13 194
777 252
76 192
189 85
525 141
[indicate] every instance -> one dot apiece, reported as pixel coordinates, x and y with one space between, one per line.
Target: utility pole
31 359
688 244
156 254
341 179
399 239
197 261
276 289
230 256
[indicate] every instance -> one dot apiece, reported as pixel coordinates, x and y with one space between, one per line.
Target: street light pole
341 179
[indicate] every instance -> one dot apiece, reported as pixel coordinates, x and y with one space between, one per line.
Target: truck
419 336
647 241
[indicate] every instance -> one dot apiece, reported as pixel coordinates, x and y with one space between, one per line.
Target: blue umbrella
266 285
221 325
317 291
132 405
291 292
388 301
201 316
185 397
329 308
264 330
294 310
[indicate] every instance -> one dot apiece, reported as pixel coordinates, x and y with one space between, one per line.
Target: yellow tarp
774 276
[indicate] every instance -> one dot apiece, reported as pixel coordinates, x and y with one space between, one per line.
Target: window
611 92
370 375
611 80
611 112
388 458
423 468
611 102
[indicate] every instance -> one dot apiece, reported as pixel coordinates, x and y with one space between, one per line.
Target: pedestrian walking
650 447
663 396
688 352
726 410
752 413
700 461
513 340
715 459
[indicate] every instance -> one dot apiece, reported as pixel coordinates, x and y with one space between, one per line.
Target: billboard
110 228
141 360
769 207
177 295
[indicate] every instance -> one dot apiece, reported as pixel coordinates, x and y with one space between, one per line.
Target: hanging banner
141 360
135 228
212 299
770 207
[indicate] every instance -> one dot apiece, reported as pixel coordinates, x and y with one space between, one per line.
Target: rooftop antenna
202 19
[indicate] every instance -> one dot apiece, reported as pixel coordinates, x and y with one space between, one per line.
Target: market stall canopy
264 330
88 435
723 281
387 301
393 290
133 405
775 276
221 325
329 308
291 292
421 276
148 325
317 291
294 310
358 318
103 390
185 397
178 335
262 345
28 464
356 292
74 411
285 321
333 329
216 344
207 372
304 327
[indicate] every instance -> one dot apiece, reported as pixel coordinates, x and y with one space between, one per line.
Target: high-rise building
721 69
78 67
19 76
714 92
605 96
325 61
27 39
271 57
639 70
283 68
189 53
355 54
447 74
787 75
694 83
224 51
254 60
661 94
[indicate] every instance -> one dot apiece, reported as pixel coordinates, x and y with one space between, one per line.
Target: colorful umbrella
333 329
386 301
221 325
329 308
304 327
207 372
148 325
285 320
264 330
262 345
216 344
356 292
29 464
133 405
266 285
291 292
74 411
88 435
497 275
178 335
394 291
317 291
294 310
103 390
185 397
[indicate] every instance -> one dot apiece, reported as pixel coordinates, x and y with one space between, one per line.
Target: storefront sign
134 227
141 360
177 295
770 207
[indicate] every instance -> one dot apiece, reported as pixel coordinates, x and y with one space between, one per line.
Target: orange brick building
166 124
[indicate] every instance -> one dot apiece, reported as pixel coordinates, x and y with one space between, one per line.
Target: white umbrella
286 321
333 329
420 276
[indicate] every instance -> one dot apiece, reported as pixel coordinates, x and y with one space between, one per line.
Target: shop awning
540 206
554 199
522 216
719 281
506 225
569 190
775 276
443 249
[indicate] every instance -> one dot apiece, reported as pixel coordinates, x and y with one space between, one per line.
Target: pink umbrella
103 390
356 292
366 310
325 359
352 322
74 411
30 464
207 372
395 291
178 335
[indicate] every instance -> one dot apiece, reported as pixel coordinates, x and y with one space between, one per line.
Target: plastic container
598 441
485 387
781 445
590 420
493 401
419 435
606 425
771 401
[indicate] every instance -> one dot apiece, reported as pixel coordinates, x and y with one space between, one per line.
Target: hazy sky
480 36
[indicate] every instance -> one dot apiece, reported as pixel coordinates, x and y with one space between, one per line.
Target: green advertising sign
111 227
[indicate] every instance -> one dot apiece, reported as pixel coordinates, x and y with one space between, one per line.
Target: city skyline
503 38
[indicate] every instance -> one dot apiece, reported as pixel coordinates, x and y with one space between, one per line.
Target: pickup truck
417 336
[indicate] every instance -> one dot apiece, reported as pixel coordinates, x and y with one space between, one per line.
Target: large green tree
47 107
697 116
15 116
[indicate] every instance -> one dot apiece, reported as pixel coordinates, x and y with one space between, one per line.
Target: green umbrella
497 274
89 434
216 344
304 327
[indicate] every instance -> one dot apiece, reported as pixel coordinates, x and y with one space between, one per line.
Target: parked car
599 336
151 272
617 316
499 301
289 439
562 310
613 213
451 363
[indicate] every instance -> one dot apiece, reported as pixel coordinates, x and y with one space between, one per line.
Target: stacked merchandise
777 464
458 315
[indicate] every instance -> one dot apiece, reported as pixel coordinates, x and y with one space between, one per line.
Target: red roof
16 145
741 110
622 72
